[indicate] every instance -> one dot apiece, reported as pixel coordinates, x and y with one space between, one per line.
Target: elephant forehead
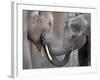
46 18
77 27
77 24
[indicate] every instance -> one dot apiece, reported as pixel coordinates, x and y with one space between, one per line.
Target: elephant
40 24
84 53
51 39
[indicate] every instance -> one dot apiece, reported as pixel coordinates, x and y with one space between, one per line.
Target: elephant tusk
49 56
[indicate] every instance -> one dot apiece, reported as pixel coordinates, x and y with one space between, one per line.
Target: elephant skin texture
63 33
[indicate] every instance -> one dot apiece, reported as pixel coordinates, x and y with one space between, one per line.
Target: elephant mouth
53 57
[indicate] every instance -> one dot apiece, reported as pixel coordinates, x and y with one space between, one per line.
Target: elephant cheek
68 44
81 42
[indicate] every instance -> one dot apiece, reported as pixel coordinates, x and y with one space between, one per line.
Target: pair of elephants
55 39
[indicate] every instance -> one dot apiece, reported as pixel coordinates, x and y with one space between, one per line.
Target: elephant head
73 38
40 23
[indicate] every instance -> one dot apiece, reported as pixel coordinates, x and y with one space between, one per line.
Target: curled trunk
53 59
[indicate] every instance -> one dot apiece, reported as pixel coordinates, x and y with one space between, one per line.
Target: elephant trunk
58 51
52 53
53 59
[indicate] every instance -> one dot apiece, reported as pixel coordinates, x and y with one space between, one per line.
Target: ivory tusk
48 52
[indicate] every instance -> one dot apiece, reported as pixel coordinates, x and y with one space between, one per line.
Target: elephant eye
49 23
74 37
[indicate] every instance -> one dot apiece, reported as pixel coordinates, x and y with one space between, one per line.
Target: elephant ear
33 16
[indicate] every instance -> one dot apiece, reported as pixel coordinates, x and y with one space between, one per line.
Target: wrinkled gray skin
62 38
73 36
